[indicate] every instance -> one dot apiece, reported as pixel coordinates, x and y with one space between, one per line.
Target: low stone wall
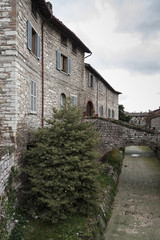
6 163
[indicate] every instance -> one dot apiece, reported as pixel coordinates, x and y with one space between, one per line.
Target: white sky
124 37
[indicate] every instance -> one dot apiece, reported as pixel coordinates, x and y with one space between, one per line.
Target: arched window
62 99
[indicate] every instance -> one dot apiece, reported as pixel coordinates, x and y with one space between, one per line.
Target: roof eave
47 13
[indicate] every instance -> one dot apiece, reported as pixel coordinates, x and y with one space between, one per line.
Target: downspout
88 55
42 75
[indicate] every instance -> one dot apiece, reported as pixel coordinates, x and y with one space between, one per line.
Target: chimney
50 6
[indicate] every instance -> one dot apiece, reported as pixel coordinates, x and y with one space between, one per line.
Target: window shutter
58 60
89 80
38 47
33 95
69 66
93 82
29 35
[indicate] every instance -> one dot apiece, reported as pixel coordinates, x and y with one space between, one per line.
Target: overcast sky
124 37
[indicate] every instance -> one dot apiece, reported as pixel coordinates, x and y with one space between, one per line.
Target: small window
91 81
101 87
34 8
63 63
33 95
112 113
64 40
73 100
109 112
74 48
33 41
62 99
101 110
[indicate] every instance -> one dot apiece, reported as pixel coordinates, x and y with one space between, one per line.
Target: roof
91 69
47 13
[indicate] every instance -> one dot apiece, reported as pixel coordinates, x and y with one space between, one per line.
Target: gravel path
136 213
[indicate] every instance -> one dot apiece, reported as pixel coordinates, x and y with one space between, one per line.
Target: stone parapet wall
115 134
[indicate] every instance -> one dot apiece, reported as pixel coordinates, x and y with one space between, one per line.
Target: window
62 99
91 81
109 112
63 63
74 100
101 110
74 48
33 96
33 41
64 40
34 8
112 113
101 87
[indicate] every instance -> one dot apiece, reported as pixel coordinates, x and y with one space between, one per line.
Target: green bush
60 168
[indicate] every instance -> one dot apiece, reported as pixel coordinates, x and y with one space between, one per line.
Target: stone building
153 119
138 118
103 99
42 63
150 119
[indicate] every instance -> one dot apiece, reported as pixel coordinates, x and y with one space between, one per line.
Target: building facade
42 63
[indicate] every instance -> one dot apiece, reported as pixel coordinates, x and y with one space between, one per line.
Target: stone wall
115 134
155 123
8 53
6 162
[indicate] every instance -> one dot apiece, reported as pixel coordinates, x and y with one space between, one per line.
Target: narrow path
136 213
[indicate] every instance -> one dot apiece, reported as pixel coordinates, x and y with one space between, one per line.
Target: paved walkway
136 213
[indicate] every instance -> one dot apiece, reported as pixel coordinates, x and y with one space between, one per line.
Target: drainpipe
88 55
42 74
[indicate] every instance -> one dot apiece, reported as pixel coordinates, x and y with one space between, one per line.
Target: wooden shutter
89 80
33 96
93 82
58 60
69 66
29 35
38 47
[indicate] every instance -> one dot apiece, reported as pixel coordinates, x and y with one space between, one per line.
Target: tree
122 115
60 166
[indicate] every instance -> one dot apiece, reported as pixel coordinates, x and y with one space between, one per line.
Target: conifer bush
60 167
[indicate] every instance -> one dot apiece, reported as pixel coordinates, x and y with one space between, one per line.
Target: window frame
73 100
101 87
59 65
33 41
62 99
64 40
101 112
91 80
74 49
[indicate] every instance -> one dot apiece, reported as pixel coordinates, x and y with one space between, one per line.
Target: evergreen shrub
60 167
